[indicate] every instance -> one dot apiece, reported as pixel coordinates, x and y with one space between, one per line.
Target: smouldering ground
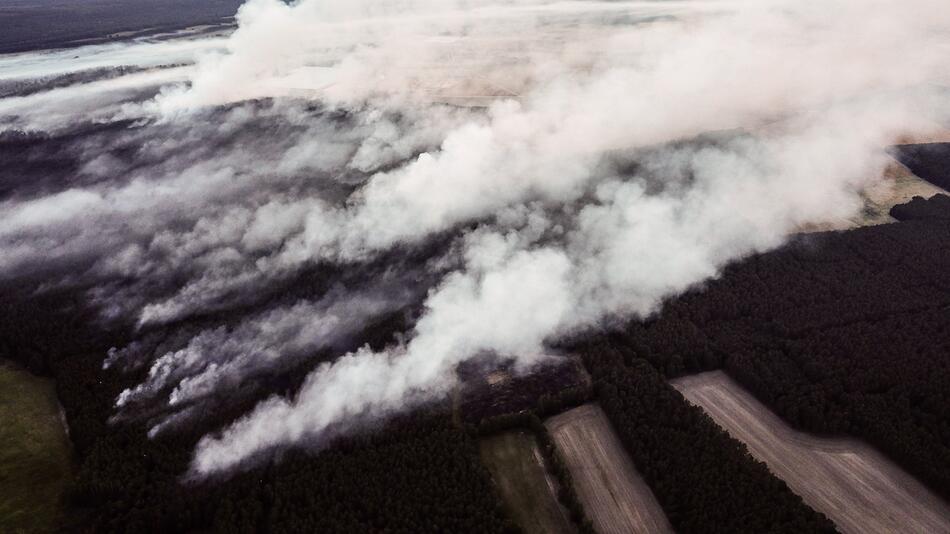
35 461
851 483
614 496
519 473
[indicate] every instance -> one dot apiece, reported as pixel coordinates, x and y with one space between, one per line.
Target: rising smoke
514 171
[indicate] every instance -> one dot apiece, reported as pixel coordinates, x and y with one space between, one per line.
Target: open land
897 185
518 471
614 496
35 461
854 485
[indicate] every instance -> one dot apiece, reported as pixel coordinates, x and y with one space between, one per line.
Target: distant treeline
39 24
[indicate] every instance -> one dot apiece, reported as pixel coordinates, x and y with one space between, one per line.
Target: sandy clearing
853 484
614 496
897 186
521 476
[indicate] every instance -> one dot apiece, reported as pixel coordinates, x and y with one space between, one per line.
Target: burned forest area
842 333
487 266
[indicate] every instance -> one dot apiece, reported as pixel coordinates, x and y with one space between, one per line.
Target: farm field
851 483
518 471
897 186
614 496
35 462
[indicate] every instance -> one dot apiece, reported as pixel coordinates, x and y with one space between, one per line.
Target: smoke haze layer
498 174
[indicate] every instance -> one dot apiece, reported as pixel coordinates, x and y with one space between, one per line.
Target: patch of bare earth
614 496
521 476
851 483
897 186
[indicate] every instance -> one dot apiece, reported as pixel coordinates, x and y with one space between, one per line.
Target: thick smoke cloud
515 171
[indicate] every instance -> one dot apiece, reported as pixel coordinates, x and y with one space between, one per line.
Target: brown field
851 483
614 496
897 186
519 473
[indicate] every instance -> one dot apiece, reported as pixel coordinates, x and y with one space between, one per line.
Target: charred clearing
500 390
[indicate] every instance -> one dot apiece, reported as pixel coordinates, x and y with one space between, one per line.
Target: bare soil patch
615 497
898 185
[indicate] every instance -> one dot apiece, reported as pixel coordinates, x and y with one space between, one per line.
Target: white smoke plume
341 134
